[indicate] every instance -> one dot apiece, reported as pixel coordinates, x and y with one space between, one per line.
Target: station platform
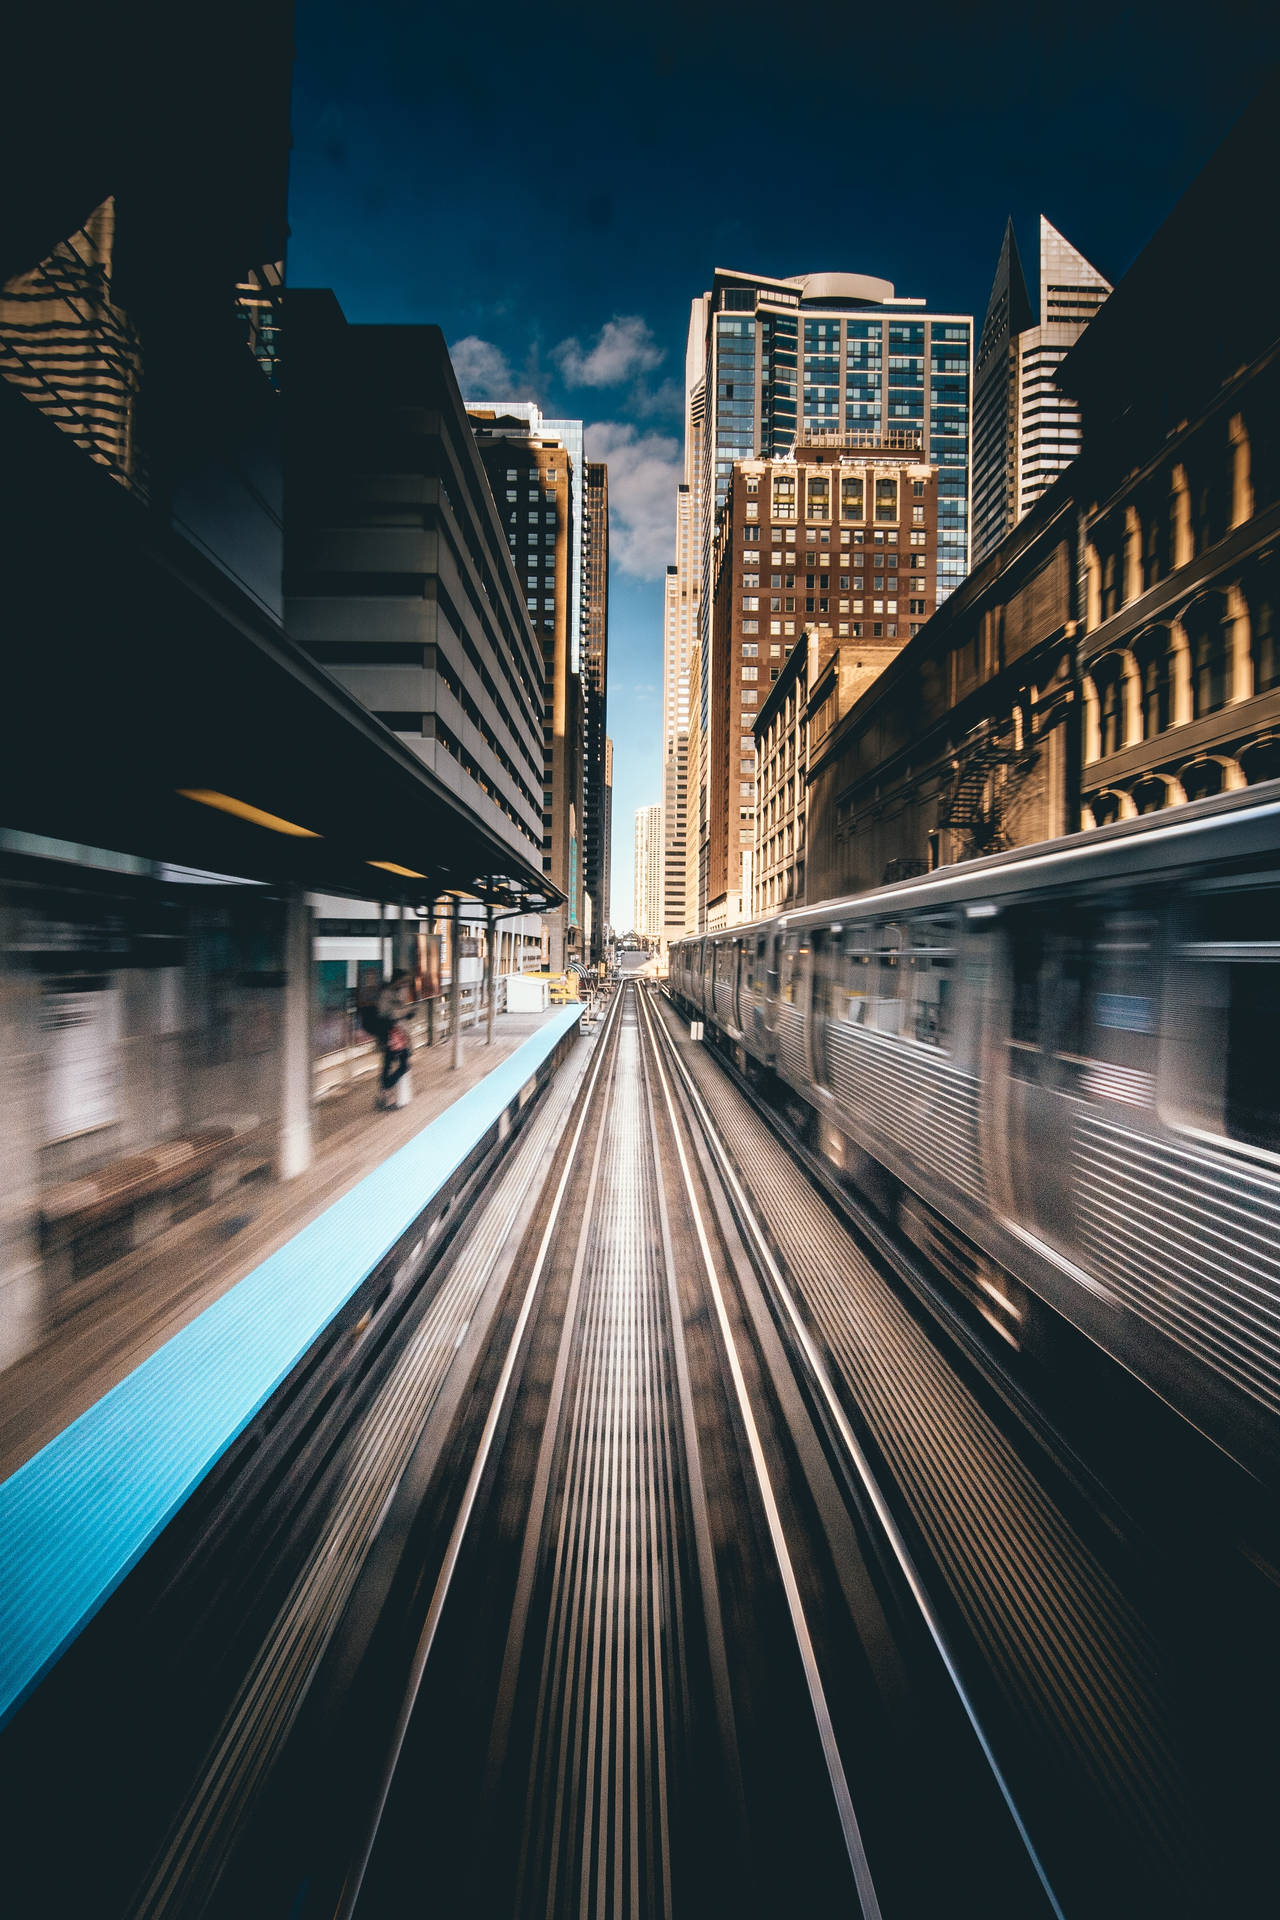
110 1424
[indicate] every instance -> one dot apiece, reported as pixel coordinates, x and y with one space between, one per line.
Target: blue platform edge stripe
80 1513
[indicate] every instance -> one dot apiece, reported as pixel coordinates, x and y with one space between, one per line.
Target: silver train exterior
1058 1069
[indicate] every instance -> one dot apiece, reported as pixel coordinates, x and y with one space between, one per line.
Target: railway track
673 1569
655 1674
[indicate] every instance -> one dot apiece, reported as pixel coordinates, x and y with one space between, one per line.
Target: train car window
1049 955
1121 1026
888 975
932 940
1026 953
755 965
1224 1035
857 976
789 969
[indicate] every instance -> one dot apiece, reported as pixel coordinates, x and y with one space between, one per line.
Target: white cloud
624 347
644 472
482 370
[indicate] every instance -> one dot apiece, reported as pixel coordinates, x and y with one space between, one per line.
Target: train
1056 1070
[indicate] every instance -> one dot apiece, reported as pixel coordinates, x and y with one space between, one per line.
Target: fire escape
989 766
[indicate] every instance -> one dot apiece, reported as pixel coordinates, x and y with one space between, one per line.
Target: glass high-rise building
774 364
777 362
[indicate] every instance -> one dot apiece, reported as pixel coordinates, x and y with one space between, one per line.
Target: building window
751 626
886 499
1108 678
1209 631
1260 592
1156 533
818 497
1151 650
750 603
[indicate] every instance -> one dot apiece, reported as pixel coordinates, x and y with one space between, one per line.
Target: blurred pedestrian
394 1003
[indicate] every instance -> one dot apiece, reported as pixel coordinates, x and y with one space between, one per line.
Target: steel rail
354 1881
850 1830
858 1459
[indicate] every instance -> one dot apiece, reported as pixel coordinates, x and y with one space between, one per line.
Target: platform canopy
153 707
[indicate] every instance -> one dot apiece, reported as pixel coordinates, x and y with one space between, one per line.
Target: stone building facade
841 534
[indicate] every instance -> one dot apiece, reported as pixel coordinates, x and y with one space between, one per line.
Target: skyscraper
531 475
606 907
680 614
771 361
595 674
648 872
1025 429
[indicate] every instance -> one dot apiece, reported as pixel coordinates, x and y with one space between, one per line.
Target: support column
1092 731
433 948
22 1281
455 983
294 1151
490 975
1131 695
1241 645
1179 675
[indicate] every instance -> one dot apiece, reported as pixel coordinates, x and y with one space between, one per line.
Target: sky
552 184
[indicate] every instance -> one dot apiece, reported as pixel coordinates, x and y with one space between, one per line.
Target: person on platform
394 1003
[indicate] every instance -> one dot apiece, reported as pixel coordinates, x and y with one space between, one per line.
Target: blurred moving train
1058 1070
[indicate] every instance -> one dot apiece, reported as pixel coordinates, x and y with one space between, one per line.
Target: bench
86 1224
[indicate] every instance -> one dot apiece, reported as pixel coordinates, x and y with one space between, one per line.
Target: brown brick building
843 535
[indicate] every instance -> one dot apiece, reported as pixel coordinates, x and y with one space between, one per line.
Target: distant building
819 682
679 628
596 795
774 363
648 873
841 534
1025 429
530 468
606 908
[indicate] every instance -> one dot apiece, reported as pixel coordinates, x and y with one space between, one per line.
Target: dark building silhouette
595 678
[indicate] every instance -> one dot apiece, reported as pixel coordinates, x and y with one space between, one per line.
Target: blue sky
552 184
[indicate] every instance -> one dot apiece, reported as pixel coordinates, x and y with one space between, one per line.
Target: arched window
1209 630
1108 677
1202 779
1113 573
1151 794
1210 476
1264 641
1105 808
1261 761
1157 534
1153 652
